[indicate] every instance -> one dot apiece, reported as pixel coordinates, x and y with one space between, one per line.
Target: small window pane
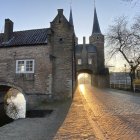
89 61
79 61
21 67
29 66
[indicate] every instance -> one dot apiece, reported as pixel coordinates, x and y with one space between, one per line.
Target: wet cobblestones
117 114
76 125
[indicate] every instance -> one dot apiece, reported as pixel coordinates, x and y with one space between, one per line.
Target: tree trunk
132 76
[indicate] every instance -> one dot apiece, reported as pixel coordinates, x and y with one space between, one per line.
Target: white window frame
79 61
25 64
90 61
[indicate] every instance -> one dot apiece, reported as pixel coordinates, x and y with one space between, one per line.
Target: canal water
4 119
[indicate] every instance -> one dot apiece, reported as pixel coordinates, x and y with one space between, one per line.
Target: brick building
34 61
42 64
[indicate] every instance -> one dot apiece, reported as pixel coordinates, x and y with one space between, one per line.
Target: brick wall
62 42
40 81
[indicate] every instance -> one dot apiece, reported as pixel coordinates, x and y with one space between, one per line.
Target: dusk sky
33 14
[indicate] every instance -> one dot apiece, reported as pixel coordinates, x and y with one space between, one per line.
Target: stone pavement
76 125
117 113
93 115
37 128
57 126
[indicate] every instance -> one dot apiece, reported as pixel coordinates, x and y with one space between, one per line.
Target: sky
35 14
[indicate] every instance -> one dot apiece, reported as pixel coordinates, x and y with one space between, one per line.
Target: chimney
84 40
8 30
60 11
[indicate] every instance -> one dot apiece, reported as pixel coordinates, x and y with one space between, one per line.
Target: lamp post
112 80
131 73
125 77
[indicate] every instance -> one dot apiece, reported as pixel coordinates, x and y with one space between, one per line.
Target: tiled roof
78 48
27 37
89 47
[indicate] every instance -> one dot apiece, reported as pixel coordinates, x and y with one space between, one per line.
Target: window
24 66
60 40
89 61
79 61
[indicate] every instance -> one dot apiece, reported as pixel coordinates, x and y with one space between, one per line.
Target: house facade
34 61
44 63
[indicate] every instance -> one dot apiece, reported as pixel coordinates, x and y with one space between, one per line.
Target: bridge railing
120 84
123 84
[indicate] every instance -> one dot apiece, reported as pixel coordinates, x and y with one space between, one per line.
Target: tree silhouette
125 40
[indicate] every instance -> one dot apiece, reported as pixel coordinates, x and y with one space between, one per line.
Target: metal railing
120 84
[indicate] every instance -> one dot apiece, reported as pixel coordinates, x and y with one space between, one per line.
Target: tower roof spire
96 27
71 17
94 4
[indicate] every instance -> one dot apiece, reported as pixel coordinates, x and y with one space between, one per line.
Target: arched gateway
12 100
90 57
5 86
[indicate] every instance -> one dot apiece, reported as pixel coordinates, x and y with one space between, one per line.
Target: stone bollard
15 104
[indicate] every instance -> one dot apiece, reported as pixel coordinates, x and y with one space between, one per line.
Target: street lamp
131 73
125 77
112 75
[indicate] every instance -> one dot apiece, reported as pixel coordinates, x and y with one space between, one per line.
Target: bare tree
134 1
125 40
128 0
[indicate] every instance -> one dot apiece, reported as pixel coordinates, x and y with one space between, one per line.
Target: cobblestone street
93 115
117 113
76 125
109 114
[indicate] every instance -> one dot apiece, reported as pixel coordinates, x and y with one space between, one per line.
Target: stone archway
84 78
10 85
14 100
